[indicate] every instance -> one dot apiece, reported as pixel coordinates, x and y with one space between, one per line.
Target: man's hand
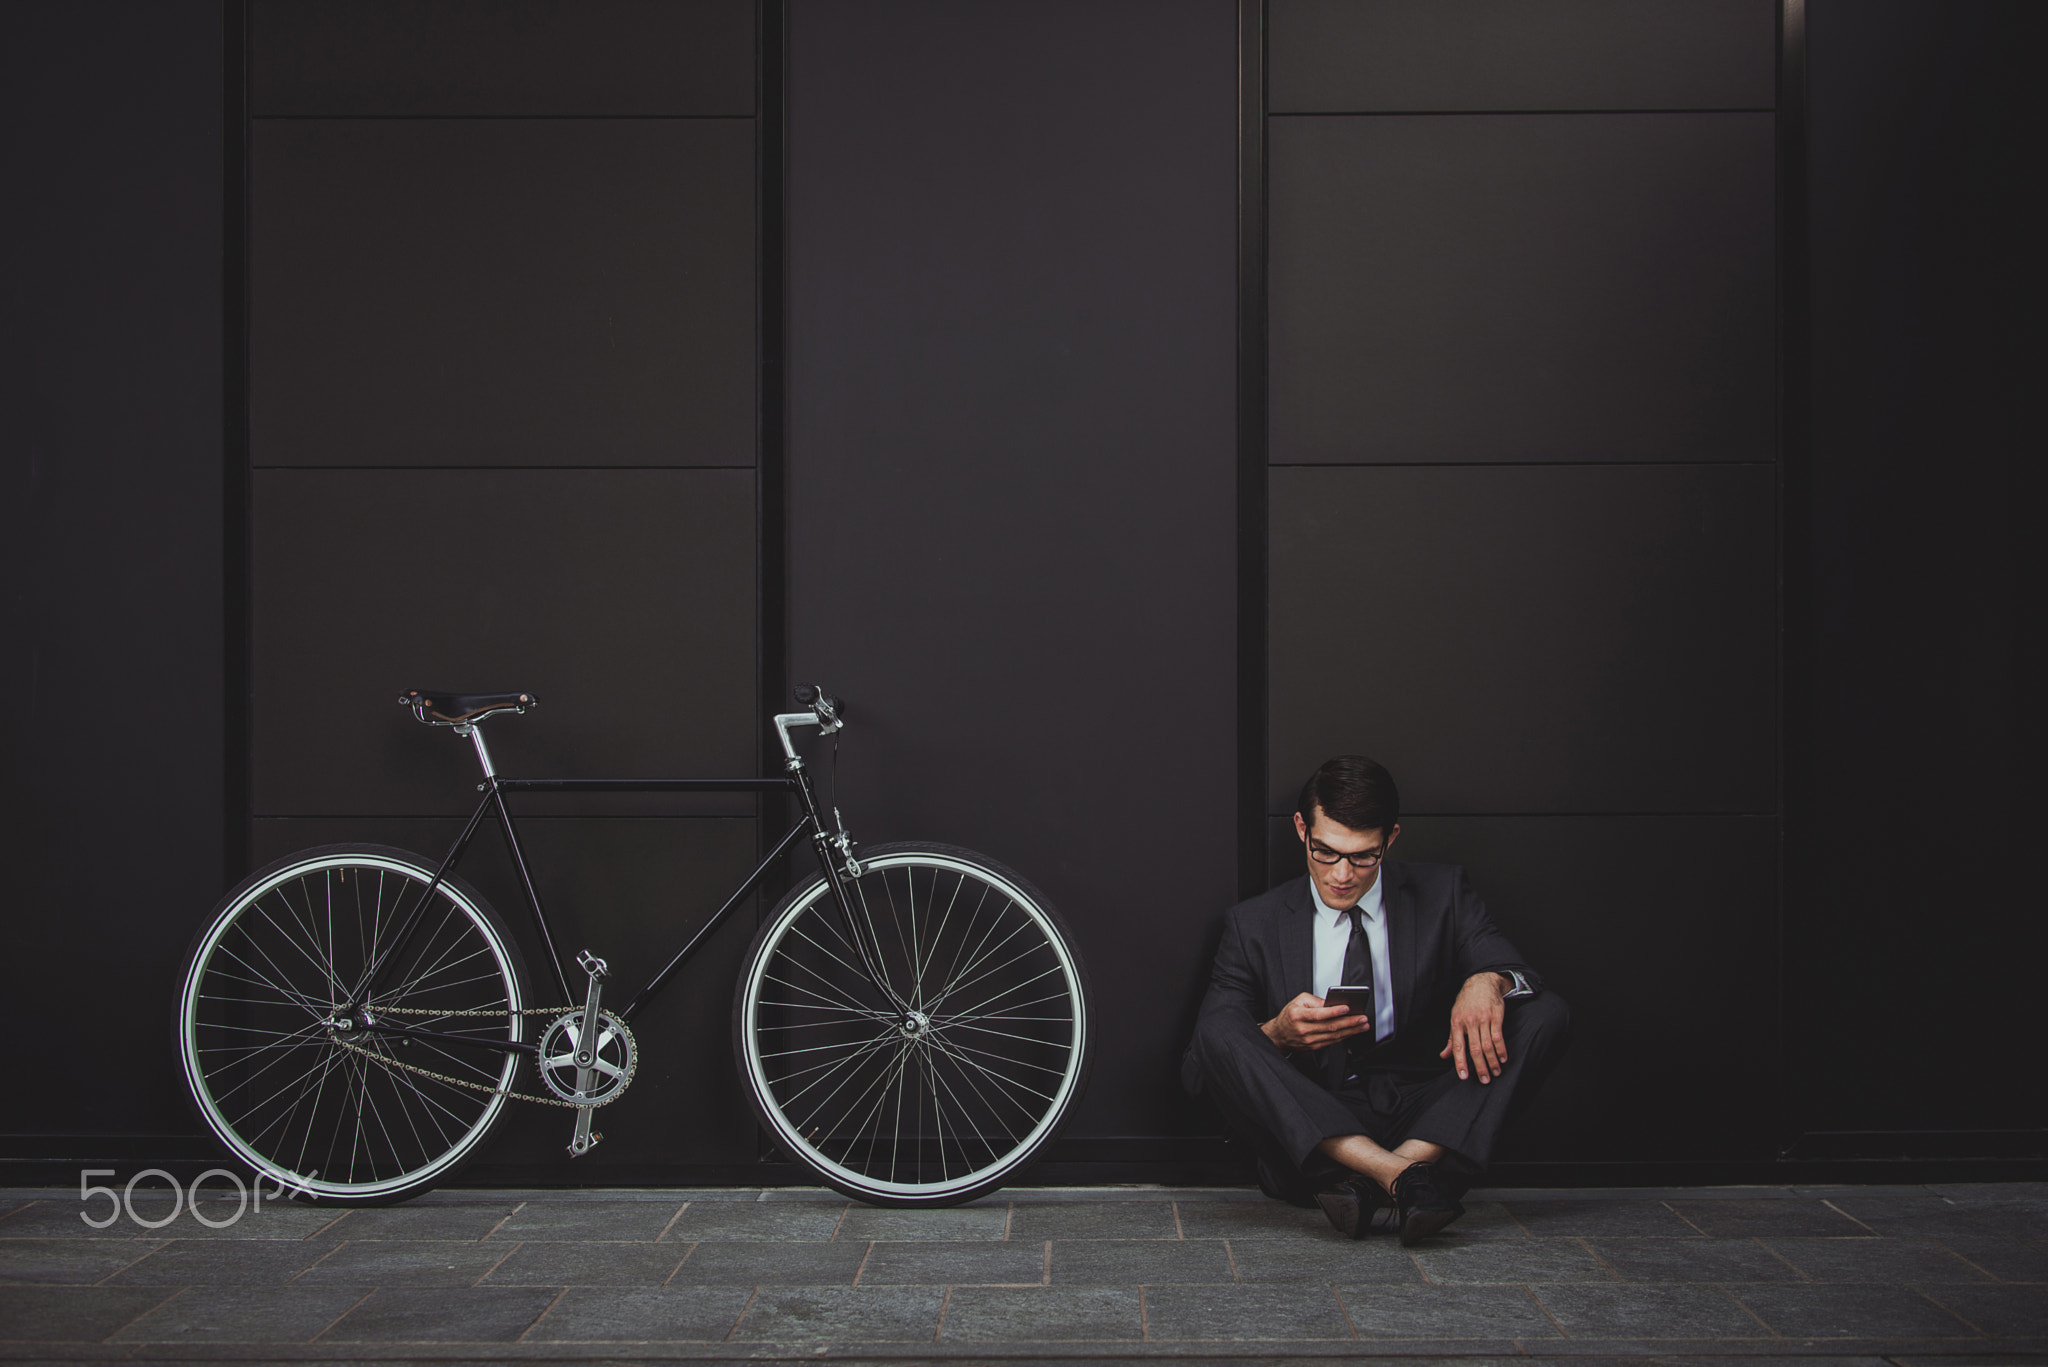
1305 1023
1476 1039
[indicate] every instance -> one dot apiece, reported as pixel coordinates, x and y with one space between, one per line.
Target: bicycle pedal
580 1146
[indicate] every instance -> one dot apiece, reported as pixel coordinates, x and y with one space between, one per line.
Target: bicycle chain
390 1062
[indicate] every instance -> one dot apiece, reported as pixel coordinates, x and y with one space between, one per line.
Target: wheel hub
916 1025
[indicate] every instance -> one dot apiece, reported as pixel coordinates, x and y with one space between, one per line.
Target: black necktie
1358 973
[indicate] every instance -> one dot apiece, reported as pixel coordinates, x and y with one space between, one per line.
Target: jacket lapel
1397 903
1297 943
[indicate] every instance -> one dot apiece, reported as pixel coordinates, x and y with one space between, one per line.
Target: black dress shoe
1350 1204
1422 1206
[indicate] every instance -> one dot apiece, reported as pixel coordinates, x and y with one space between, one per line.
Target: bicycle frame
495 786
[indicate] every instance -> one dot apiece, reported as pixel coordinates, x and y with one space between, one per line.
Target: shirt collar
1368 905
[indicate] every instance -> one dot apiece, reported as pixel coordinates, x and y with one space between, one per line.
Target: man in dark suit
1396 1105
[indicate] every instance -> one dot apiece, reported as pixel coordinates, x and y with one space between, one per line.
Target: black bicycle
911 1022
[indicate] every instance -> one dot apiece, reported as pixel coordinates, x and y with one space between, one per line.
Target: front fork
837 860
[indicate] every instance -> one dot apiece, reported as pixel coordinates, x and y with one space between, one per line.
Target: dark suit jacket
1438 935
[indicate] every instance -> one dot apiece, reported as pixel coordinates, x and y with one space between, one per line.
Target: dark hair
1352 791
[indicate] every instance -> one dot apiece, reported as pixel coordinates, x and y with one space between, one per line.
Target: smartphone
1359 999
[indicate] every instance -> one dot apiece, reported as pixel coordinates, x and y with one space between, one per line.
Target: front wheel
938 1084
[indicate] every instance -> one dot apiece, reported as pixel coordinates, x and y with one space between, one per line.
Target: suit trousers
1284 1114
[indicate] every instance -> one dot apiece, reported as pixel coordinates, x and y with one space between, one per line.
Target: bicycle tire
928 1114
270 1077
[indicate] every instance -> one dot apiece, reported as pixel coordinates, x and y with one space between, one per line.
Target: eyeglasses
1364 859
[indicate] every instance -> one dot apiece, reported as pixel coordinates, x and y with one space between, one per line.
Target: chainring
618 1055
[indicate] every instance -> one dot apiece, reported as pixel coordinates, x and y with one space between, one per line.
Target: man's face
1341 883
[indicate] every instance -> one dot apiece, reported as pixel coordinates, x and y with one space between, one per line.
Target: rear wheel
311 1102
947 1083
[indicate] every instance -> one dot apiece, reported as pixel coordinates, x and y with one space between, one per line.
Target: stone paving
1958 1273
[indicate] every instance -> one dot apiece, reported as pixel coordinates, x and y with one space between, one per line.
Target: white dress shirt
1333 936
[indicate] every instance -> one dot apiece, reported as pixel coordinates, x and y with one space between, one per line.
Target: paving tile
1244 1312
2035 1192
840 1314
757 1220
67 1262
1485 1219
1251 1195
492 1314
214 1262
1693 1260
1875 1260
812 1194
1647 1312
1909 1212
243 1314
1498 1260
2009 1260
1868 1312
675 1197
1094 1220
72 1314
1609 1218
447 1221
61 1220
760 1263
1265 1219
2001 1311
588 1221
1375 1259
641 1314
1789 1219
958 1222
552 1262
2021 1219
1434 1312
404 1263
1142 1262
1042 1314
937 1263
1025 1196
273 1218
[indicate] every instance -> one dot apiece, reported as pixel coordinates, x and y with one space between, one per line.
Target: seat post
483 754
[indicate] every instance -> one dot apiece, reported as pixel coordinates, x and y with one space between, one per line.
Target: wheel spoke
938 1104
288 1099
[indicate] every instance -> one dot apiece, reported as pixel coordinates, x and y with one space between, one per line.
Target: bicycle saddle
459 709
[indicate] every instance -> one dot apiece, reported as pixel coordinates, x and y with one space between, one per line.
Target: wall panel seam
592 469
1679 815
1499 464
502 118
1503 113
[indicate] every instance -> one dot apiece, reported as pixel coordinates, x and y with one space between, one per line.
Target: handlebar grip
810 695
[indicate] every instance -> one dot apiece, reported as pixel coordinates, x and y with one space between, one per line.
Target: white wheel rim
224 1129
1024 1149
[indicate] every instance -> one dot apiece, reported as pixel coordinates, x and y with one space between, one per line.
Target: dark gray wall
110 529
1917 702
503 427
1012 474
1525 436
1523 506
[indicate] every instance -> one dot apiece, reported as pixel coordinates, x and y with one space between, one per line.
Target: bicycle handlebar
825 712
828 708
